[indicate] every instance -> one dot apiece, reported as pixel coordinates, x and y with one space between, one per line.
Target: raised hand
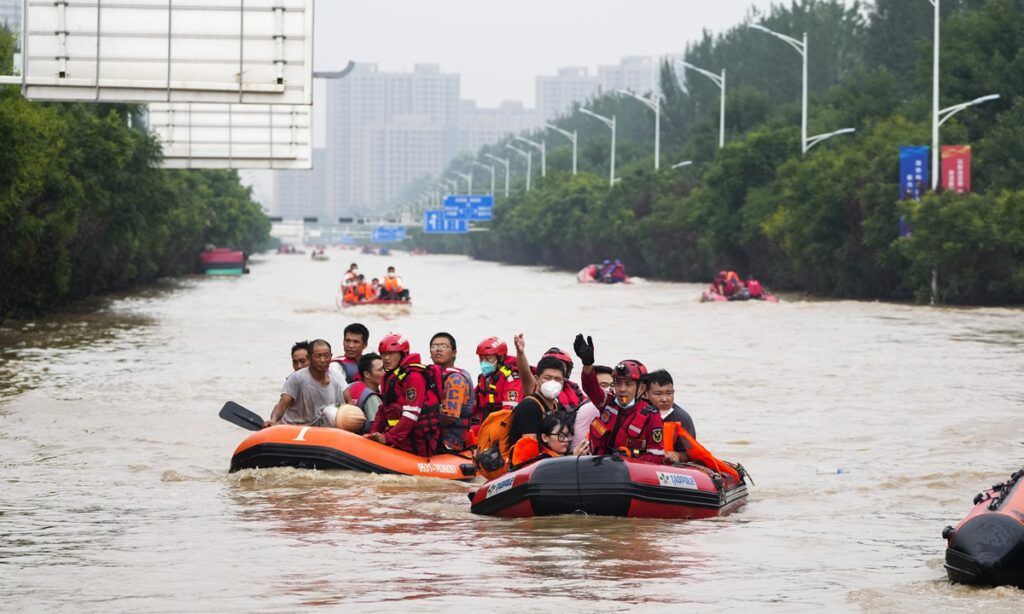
584 349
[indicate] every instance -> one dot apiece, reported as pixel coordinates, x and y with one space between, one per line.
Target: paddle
236 414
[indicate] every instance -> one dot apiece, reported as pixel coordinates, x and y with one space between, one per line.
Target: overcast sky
499 48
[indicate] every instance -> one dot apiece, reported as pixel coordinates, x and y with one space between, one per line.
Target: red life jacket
628 437
755 289
571 397
425 434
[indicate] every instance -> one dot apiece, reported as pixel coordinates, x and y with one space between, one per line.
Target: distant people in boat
551 439
457 394
754 288
728 284
393 289
365 393
661 393
354 341
628 423
300 355
588 412
409 418
375 289
351 274
498 386
310 395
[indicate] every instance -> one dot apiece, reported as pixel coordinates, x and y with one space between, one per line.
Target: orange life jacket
696 452
391 284
733 277
527 450
365 291
351 294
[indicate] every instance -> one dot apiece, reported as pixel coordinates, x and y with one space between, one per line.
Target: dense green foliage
825 222
84 209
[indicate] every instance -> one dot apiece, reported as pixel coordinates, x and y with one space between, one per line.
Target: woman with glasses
553 439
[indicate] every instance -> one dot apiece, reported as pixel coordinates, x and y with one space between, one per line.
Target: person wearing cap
409 417
627 424
498 386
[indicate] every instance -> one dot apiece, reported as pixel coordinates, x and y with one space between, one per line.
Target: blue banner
913 172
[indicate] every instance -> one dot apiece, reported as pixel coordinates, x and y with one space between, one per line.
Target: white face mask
550 389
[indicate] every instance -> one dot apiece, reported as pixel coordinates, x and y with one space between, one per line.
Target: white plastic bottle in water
829 470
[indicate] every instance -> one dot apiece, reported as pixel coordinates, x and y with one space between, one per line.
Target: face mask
550 389
487 368
631 403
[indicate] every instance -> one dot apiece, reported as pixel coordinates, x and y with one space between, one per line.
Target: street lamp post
572 136
610 122
720 82
453 185
682 164
468 177
935 99
653 103
801 48
529 162
504 162
490 167
542 147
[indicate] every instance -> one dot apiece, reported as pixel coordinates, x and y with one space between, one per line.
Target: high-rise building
479 126
298 194
420 108
637 73
556 95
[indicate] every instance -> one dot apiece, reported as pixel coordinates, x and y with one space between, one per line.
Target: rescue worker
457 402
393 289
375 289
628 424
364 291
408 418
618 274
498 386
588 411
754 288
355 338
365 393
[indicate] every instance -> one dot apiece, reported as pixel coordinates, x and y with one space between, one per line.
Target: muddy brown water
114 491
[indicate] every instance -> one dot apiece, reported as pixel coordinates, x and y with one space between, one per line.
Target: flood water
115 495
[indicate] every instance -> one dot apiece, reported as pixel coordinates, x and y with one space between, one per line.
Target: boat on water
315 447
712 295
987 547
222 261
589 275
610 486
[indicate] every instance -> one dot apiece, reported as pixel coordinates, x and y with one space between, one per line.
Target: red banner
956 168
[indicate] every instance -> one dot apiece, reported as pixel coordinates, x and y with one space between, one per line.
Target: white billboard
240 136
226 51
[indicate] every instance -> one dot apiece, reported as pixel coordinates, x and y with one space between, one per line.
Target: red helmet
630 369
559 354
393 343
492 346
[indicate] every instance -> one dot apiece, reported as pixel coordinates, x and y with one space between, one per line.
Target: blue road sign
435 222
475 208
386 234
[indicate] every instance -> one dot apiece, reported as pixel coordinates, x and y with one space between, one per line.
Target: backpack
493 448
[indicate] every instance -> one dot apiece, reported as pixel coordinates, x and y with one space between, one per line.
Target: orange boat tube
314 447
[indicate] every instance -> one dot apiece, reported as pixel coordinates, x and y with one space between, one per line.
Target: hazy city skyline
499 52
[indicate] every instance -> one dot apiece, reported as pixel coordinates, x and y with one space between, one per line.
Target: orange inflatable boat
314 447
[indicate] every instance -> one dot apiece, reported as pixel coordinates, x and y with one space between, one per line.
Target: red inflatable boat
610 486
987 547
